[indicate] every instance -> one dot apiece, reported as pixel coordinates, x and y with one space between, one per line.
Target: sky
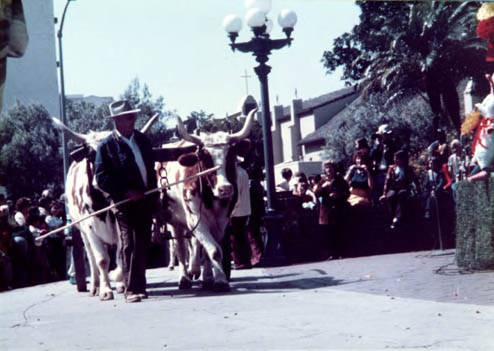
181 51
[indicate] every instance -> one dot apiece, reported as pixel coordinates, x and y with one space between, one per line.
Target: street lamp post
261 46
62 93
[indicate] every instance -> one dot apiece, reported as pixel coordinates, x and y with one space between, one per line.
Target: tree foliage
409 123
403 49
29 151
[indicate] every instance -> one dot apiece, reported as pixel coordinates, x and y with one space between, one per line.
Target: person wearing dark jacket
124 169
333 193
399 186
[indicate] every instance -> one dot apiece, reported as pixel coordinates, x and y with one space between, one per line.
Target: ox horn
182 132
79 138
245 129
149 123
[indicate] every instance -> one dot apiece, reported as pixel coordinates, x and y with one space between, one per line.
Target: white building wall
286 139
32 79
307 126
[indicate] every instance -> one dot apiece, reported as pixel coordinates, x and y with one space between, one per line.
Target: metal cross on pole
246 76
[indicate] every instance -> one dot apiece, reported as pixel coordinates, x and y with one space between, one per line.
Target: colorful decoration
485 28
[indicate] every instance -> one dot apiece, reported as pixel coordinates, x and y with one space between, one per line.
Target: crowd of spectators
25 261
381 178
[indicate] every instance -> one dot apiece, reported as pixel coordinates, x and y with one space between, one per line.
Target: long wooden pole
207 171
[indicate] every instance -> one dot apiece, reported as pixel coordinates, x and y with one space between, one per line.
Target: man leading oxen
124 168
203 206
84 198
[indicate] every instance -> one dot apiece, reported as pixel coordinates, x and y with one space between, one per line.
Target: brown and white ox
83 198
203 206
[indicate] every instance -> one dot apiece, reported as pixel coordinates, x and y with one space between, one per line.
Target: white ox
203 206
83 198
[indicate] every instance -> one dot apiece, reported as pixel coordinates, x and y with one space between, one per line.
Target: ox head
218 149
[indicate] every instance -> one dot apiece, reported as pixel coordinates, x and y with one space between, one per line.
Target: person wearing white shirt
241 252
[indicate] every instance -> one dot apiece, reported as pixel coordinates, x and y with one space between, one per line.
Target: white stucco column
295 108
276 135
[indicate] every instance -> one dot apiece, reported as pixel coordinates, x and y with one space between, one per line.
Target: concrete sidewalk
412 301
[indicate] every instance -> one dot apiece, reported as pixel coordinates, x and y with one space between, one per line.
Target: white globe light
232 23
269 26
255 18
263 5
287 18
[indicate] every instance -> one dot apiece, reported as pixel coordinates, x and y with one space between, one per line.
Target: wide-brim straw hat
121 108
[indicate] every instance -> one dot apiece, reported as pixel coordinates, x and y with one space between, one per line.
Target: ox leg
171 249
94 275
215 255
178 234
102 262
207 275
117 275
195 258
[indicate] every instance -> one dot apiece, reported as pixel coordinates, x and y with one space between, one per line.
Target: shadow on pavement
248 285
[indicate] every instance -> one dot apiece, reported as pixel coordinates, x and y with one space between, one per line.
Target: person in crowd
286 174
313 181
362 145
6 246
48 194
360 179
434 188
37 227
21 205
55 217
297 178
399 186
241 252
334 192
381 155
258 211
55 243
439 149
124 169
457 166
303 192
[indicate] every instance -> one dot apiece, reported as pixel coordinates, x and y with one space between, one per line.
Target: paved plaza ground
407 301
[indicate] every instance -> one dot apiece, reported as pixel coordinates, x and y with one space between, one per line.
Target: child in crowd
286 174
360 180
457 166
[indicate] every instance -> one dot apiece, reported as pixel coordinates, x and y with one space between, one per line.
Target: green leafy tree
409 123
84 116
30 159
403 49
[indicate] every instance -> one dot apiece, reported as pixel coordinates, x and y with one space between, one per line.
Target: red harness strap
481 133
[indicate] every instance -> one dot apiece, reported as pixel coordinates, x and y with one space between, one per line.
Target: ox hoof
94 292
120 289
184 284
106 296
221 287
208 285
